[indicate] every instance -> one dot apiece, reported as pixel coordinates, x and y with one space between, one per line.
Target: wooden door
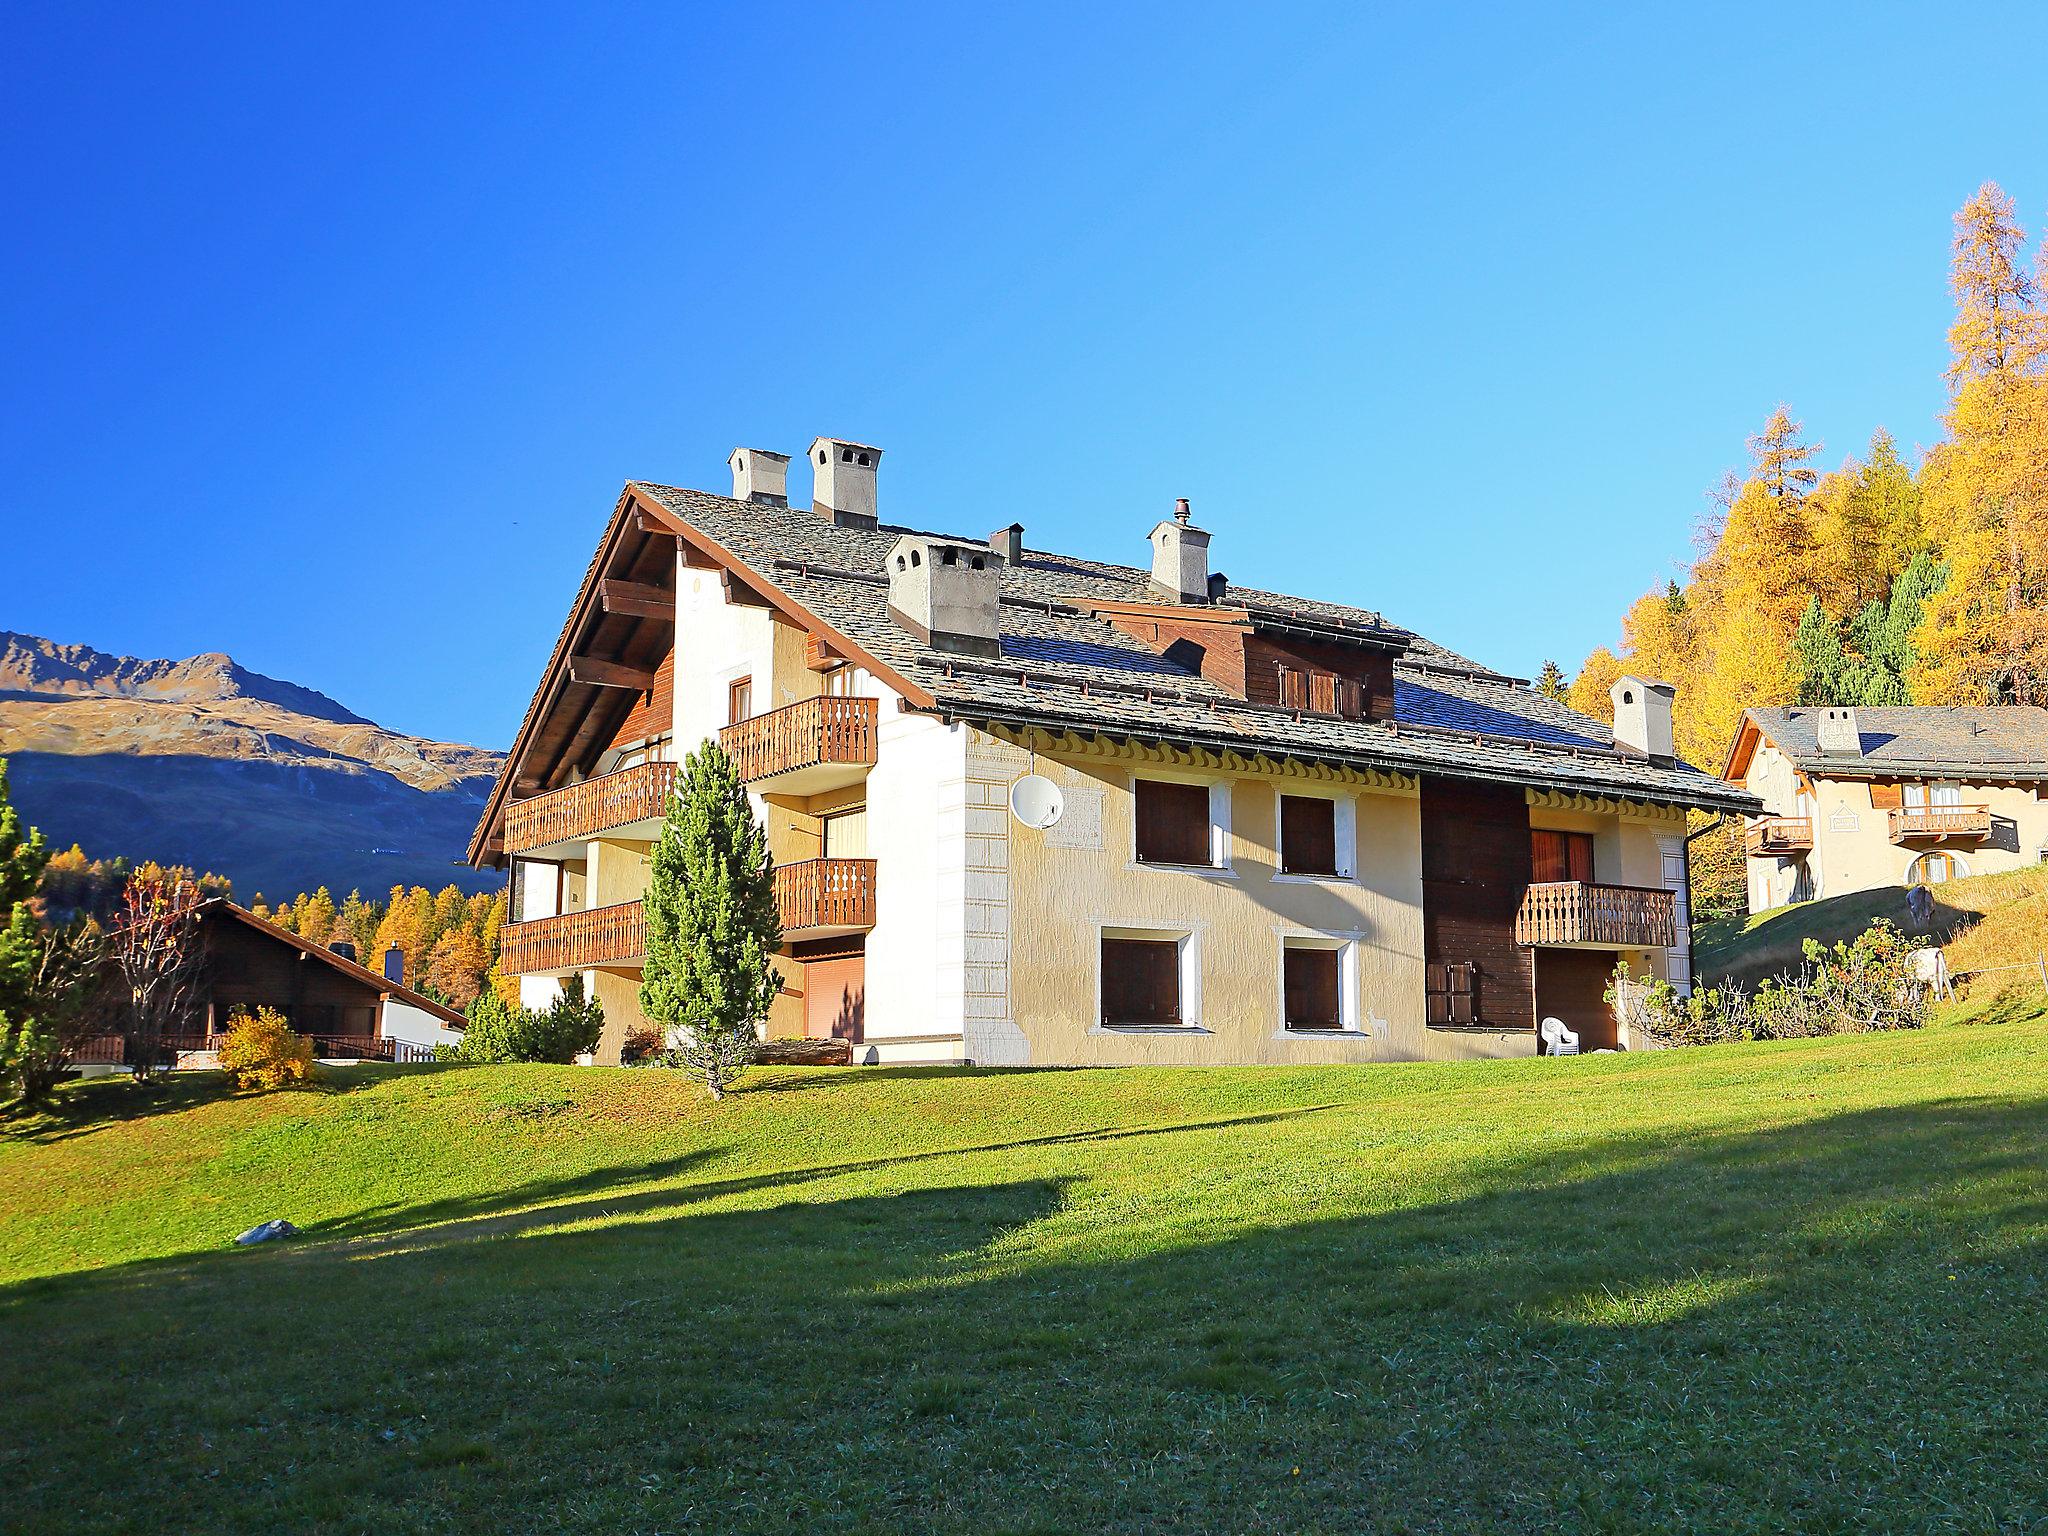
835 998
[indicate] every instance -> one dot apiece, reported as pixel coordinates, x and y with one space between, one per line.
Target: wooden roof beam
610 674
637 599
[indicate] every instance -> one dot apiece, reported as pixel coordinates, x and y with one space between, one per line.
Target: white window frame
1345 817
1189 939
1349 1015
1221 865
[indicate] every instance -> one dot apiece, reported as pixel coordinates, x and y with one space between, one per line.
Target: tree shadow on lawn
83 1108
605 1192
1831 1325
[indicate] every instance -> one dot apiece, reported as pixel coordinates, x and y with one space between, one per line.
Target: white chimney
1180 557
1642 716
945 593
1839 732
760 474
843 481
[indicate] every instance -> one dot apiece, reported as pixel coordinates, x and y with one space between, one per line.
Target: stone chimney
1009 543
1180 558
760 474
944 592
1839 733
843 481
1642 717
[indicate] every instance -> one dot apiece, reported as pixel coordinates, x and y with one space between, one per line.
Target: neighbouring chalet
1291 831
352 1012
1854 799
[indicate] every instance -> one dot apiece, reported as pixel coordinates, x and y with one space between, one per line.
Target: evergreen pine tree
712 924
22 857
1817 647
1552 683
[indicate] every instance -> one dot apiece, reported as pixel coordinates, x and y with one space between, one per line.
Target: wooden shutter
1173 822
1350 698
1322 692
1309 983
1308 835
1885 797
1140 981
1293 688
1452 993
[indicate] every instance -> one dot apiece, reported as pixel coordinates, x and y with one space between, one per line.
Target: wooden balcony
822 897
1916 823
1576 914
1778 834
805 748
594 938
629 803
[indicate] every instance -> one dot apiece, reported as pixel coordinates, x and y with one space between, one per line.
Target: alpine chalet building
1276 830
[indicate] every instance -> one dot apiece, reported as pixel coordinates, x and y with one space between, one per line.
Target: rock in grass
265 1232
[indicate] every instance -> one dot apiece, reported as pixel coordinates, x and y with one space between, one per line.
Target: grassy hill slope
1989 920
1755 1288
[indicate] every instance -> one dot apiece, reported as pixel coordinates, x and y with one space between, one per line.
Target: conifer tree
712 923
22 857
1551 682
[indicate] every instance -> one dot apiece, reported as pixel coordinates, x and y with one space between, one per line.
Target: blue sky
330 340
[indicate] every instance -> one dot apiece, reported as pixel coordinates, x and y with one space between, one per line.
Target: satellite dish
1035 800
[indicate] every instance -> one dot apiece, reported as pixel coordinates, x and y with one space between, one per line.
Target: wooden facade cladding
1778 834
825 893
589 809
1233 652
808 734
1475 867
1911 822
1579 912
653 713
574 941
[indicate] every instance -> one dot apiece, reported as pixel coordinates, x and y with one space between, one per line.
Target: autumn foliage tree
158 948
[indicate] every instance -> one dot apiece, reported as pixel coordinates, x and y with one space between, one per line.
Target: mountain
206 763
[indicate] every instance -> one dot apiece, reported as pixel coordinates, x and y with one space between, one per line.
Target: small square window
1308 835
1141 980
1172 823
1312 986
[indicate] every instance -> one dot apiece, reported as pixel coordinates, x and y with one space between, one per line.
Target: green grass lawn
1754 1288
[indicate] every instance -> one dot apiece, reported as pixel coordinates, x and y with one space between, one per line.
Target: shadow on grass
1830 1325
82 1108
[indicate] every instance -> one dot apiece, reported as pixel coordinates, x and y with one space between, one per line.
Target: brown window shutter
1173 822
1322 692
1351 698
1140 981
1309 984
1464 1004
1293 688
1886 797
1308 835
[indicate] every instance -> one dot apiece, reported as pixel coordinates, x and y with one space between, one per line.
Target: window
1173 823
1321 693
1452 992
739 700
1936 869
1141 980
837 683
845 835
1560 855
1311 988
1308 835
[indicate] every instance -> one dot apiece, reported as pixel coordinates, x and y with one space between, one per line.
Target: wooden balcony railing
614 935
1577 912
1779 834
825 893
584 810
1940 821
825 730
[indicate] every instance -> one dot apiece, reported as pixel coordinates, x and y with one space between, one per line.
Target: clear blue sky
330 342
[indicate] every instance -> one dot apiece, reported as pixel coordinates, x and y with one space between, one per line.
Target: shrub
265 1052
499 1031
1850 988
639 1046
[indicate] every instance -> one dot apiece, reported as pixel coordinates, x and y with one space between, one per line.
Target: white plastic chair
1559 1041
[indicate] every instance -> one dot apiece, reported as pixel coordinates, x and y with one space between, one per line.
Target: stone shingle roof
1062 667
2001 741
